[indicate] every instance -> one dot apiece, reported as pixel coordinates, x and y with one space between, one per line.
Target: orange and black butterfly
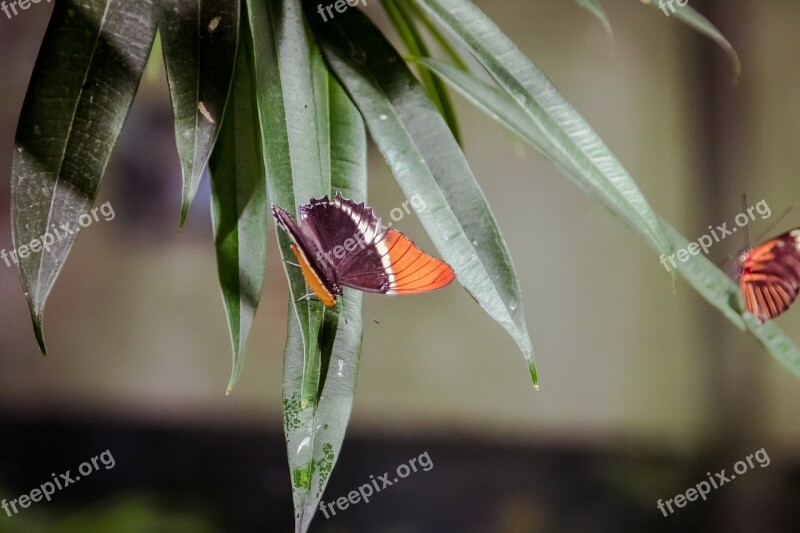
340 243
769 275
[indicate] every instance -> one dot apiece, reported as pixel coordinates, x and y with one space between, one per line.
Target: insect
341 243
769 275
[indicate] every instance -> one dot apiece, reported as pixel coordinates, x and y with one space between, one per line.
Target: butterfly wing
320 278
367 257
770 276
411 271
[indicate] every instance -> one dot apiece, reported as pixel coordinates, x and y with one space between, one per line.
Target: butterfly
341 243
769 275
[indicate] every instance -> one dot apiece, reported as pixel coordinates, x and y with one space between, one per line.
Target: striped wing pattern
770 276
412 270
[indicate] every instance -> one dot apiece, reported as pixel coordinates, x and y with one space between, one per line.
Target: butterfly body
341 243
769 275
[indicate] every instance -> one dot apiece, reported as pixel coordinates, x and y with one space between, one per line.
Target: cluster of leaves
277 103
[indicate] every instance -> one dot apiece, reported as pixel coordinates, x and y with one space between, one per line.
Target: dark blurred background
643 390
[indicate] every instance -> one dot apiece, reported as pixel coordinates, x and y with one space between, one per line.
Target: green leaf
294 109
707 279
596 9
80 92
496 104
239 205
724 294
427 162
404 23
701 274
199 38
567 131
693 19
443 42
287 104
314 436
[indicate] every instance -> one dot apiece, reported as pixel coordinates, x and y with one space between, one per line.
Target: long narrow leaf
689 16
427 161
199 38
81 90
292 108
405 25
721 292
596 9
443 42
567 130
703 275
239 205
322 430
287 112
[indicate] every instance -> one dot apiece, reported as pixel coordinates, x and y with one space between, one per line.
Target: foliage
279 102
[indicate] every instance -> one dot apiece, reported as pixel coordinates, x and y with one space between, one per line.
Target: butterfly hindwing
770 276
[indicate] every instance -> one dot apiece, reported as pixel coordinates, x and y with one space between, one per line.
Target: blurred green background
643 389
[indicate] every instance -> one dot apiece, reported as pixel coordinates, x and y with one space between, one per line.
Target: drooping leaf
319 432
701 274
81 90
288 114
724 294
293 111
199 38
566 129
689 16
596 9
239 204
427 161
406 27
443 42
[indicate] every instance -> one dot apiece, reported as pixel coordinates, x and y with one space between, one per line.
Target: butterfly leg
293 264
307 297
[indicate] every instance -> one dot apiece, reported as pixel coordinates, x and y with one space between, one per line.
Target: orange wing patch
312 279
412 270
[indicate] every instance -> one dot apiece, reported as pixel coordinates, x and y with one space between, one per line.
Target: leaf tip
534 376
233 381
184 214
38 330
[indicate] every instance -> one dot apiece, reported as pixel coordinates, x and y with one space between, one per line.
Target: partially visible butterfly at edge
769 275
341 243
